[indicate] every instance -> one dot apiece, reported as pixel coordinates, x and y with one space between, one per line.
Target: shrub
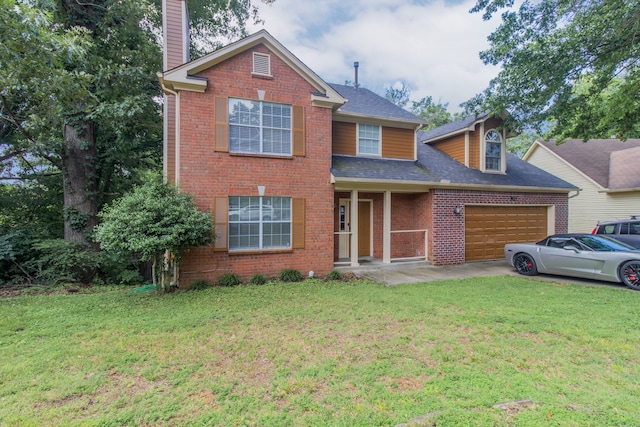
258 279
201 284
290 275
63 261
229 279
334 275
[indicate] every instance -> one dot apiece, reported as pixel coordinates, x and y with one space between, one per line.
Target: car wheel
630 274
525 264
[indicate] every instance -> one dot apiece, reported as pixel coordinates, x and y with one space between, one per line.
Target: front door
364 228
344 226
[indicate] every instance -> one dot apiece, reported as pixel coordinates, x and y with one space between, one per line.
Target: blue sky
433 45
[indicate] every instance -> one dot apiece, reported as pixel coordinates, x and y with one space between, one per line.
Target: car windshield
603 244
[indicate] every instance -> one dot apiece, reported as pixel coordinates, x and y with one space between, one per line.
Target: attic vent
261 64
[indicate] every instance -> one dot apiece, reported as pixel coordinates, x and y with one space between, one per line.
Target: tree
155 222
435 114
398 96
79 93
573 63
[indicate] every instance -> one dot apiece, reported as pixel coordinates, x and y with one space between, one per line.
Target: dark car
625 230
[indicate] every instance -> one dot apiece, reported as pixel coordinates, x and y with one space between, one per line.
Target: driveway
413 272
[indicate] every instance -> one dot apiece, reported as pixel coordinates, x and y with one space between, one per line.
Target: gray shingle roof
362 101
435 167
605 161
451 128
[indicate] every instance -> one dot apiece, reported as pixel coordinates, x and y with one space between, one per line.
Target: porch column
386 229
354 228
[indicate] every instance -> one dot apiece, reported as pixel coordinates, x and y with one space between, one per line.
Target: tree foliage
436 114
572 63
151 221
79 97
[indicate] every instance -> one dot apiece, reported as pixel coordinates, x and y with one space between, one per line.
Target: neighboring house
308 175
605 171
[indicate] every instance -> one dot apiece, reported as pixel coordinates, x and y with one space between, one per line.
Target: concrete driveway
414 272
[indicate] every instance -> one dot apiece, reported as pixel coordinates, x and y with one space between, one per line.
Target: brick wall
207 174
447 232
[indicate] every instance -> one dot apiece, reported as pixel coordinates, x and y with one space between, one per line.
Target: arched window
493 142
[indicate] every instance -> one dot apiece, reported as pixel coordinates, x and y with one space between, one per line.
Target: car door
566 257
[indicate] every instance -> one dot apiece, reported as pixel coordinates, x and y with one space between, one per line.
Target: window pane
369 139
259 222
259 127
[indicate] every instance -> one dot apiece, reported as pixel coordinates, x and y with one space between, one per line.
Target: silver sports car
586 256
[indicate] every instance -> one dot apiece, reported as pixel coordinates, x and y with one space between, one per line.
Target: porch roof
436 169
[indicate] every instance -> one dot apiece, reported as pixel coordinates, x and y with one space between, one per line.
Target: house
308 175
604 170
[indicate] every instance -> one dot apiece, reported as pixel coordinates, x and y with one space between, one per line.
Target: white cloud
433 45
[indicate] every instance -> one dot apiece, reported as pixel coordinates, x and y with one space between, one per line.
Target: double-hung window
493 151
257 223
368 140
259 127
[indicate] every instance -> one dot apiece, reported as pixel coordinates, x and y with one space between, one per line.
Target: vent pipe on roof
355 66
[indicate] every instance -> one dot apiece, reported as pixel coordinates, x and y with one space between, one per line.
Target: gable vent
261 64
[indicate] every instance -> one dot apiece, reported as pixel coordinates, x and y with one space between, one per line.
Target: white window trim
379 154
261 127
261 223
503 151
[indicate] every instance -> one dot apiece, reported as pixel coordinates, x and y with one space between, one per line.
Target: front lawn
325 354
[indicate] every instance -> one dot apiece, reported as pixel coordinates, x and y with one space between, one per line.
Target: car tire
630 274
524 264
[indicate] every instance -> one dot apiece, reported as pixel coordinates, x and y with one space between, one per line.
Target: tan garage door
489 228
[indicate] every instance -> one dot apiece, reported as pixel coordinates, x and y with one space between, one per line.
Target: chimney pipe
355 66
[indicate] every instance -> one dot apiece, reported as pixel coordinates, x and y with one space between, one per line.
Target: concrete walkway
412 272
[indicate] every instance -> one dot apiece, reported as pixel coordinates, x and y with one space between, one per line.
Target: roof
184 77
435 168
611 163
453 128
363 102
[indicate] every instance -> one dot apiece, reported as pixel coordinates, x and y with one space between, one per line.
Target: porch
380 228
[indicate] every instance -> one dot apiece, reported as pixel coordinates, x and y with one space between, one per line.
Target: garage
489 228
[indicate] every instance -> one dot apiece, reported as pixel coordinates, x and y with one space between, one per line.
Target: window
369 139
493 143
259 127
259 223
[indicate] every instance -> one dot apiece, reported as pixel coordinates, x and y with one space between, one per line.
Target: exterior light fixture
457 210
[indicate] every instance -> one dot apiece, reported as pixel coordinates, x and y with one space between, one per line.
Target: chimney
175 30
355 66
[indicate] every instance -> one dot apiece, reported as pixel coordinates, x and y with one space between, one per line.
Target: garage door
489 228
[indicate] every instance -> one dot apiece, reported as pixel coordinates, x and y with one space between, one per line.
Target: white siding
591 205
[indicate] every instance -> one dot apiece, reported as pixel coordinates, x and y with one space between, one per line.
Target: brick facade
206 173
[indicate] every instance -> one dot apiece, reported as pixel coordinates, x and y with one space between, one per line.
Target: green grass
325 354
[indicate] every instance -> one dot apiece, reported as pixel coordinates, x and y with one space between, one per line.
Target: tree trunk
79 182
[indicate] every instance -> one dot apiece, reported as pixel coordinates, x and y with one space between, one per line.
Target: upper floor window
369 139
493 142
259 127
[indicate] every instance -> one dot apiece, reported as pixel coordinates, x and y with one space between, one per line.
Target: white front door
344 226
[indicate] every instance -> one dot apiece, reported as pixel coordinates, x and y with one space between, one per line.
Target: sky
432 45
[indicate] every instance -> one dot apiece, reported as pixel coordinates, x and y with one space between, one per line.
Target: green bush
290 275
229 279
258 279
334 275
63 261
201 284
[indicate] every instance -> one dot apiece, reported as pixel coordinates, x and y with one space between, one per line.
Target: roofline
426 186
469 128
181 77
537 143
357 118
